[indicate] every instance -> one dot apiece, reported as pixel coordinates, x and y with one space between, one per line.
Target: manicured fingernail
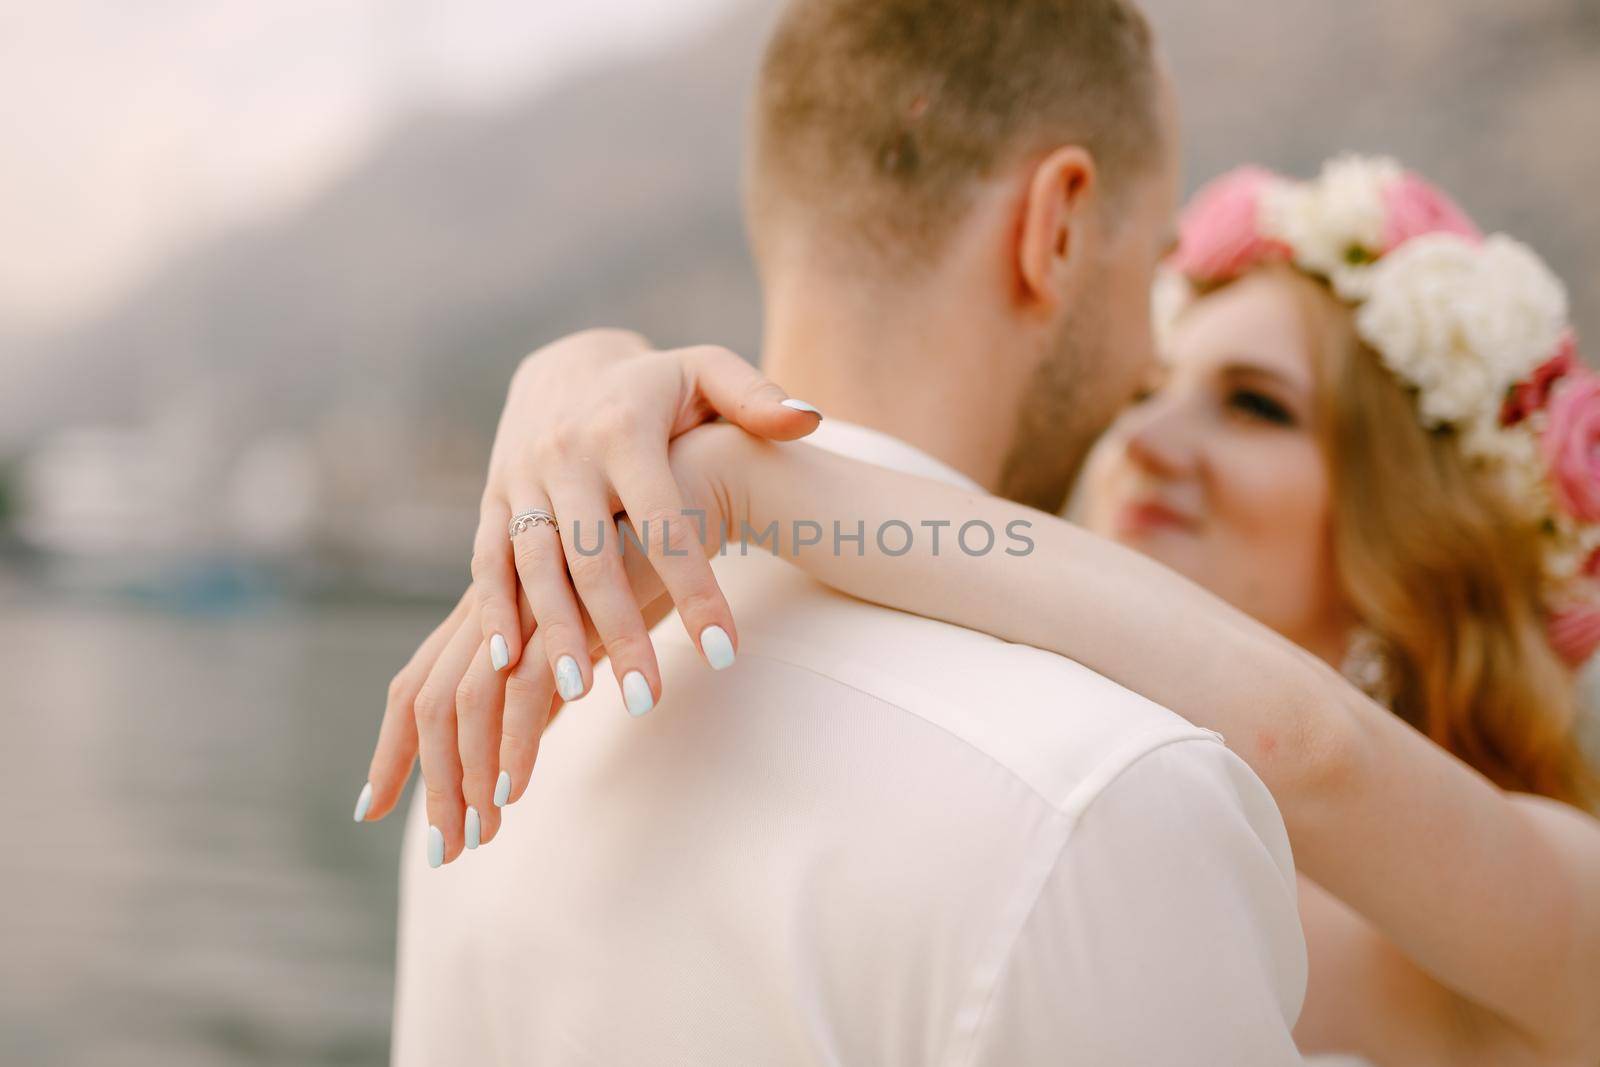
717 648
800 405
636 693
499 654
502 789
363 802
435 847
569 680
474 827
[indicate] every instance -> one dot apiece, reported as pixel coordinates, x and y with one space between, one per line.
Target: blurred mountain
352 354
465 240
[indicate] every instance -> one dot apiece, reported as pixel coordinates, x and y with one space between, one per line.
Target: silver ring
524 520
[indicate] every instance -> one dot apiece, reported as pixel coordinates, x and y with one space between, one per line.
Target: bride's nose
1163 444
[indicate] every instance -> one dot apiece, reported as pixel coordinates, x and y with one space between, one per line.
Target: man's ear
1062 192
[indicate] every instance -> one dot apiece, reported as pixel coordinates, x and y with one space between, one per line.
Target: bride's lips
1151 516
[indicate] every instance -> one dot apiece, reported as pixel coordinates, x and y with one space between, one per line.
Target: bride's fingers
436 743
397 736
592 546
675 547
744 396
543 571
530 694
480 696
495 579
531 699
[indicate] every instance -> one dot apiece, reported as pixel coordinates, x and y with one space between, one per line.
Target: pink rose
1575 633
1571 446
1413 207
1220 233
1532 395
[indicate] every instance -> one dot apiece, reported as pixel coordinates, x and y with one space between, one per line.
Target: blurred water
182 882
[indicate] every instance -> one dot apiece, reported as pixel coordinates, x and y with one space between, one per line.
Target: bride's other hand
584 435
444 711
396 748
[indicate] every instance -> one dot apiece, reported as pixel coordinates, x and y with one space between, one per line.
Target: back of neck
895 363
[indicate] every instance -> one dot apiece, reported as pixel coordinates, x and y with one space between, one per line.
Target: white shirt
877 840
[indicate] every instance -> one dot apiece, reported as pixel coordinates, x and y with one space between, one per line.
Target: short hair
877 117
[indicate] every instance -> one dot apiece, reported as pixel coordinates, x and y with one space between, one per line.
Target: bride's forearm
1440 860
988 564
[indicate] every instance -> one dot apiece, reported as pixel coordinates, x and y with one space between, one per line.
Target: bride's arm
1497 897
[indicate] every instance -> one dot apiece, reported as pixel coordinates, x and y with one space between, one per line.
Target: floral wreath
1477 327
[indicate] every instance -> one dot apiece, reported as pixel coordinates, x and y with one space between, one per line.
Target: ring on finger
526 520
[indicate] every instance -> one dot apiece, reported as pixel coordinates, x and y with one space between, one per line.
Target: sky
130 130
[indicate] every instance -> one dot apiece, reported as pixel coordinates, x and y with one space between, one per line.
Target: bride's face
1218 471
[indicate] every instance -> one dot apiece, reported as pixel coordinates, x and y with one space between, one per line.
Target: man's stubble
1062 411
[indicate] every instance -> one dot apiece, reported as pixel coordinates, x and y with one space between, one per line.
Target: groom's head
1010 161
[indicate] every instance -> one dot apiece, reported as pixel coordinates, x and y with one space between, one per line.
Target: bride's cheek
1092 507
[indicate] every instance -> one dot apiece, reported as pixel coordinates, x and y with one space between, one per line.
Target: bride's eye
1257 405
1147 389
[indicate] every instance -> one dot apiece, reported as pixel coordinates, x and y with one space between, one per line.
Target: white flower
1335 224
1462 322
1567 550
1169 297
1511 456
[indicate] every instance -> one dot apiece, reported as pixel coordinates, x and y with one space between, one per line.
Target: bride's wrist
713 467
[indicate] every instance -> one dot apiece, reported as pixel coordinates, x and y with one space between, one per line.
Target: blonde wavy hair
1431 557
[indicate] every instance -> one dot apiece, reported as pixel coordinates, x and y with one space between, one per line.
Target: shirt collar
883 450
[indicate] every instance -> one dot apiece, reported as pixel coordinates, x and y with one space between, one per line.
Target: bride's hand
709 467
477 731
584 436
595 410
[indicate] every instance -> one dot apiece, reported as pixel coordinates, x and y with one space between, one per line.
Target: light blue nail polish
636 693
801 405
718 649
435 847
502 789
569 680
363 802
499 654
474 827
